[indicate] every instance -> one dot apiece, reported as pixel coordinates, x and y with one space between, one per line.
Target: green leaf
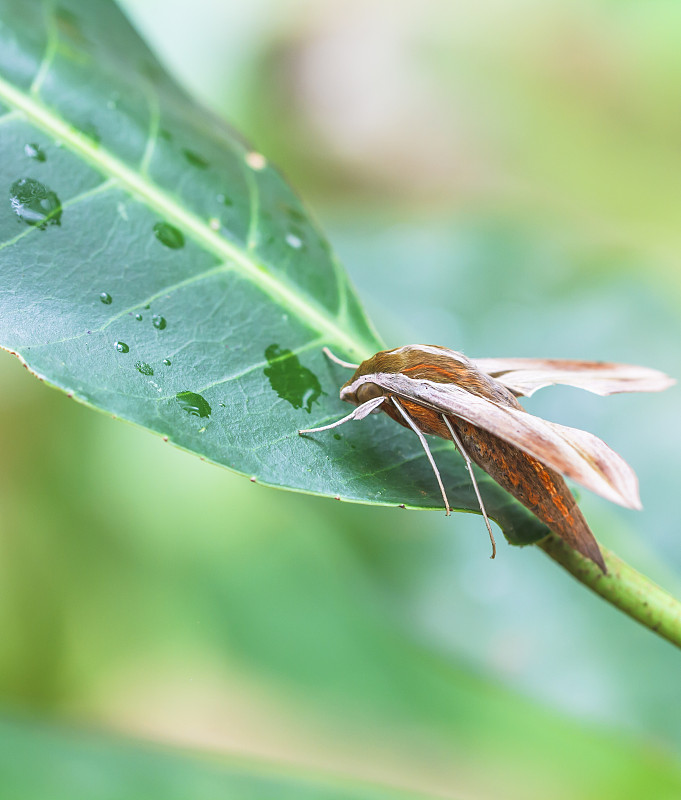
155 267
38 761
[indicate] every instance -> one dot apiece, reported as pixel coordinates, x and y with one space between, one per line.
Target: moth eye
368 391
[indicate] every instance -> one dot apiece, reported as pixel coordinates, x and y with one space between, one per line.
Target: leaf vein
154 124
220 268
154 196
50 49
253 368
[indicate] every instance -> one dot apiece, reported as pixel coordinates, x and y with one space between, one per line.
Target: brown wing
576 454
537 487
523 376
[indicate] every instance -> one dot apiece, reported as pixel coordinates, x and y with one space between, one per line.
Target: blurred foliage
75 765
515 196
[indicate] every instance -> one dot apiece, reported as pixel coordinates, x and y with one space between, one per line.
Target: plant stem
625 588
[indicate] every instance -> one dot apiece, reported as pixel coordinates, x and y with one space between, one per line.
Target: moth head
359 391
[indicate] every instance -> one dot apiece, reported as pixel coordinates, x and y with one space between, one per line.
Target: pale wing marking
523 376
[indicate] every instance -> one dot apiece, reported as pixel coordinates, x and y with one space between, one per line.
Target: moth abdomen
428 421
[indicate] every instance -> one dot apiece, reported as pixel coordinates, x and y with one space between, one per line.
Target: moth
473 402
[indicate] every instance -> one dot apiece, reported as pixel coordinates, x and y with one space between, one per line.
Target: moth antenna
337 360
424 443
359 413
469 467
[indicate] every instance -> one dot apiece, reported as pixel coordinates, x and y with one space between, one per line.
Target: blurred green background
501 178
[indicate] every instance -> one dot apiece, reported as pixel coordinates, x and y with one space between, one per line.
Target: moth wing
574 453
523 376
604 460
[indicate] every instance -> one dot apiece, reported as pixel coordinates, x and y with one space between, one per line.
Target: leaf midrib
192 225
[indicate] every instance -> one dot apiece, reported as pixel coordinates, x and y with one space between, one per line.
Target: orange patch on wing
431 368
550 485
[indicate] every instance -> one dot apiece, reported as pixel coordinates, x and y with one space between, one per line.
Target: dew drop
169 235
224 199
195 159
34 203
194 404
158 322
294 241
33 151
166 362
290 379
138 317
214 224
122 347
145 369
106 298
337 436
256 161
295 214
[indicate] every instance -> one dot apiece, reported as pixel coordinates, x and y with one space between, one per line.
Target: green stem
625 588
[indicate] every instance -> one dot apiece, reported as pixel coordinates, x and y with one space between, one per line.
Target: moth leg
359 413
337 360
424 443
459 446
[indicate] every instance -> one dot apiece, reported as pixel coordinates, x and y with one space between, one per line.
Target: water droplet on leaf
194 404
158 322
166 362
145 369
226 201
256 161
294 241
122 347
169 235
106 298
138 317
295 214
33 151
34 203
195 159
290 379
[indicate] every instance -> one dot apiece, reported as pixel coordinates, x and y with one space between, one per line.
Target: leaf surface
38 761
153 266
